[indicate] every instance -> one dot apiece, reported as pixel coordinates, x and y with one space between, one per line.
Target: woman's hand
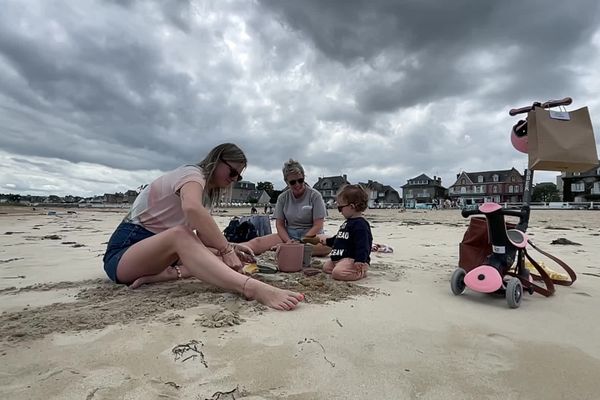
244 253
232 260
312 239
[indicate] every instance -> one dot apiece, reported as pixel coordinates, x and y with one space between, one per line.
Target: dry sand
66 332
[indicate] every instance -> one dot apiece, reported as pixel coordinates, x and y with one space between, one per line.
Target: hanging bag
561 140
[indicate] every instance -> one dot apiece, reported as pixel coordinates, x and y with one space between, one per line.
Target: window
495 178
479 179
513 179
462 181
510 189
495 188
463 189
578 187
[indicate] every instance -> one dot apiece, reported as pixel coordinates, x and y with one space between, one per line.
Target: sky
104 96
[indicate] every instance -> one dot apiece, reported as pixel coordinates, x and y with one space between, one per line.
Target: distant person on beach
299 212
169 234
351 246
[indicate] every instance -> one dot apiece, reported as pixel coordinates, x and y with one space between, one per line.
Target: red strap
544 291
564 265
549 289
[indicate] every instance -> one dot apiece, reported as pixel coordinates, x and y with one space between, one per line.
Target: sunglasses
340 208
293 181
232 171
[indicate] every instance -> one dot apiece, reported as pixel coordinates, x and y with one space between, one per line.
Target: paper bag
561 140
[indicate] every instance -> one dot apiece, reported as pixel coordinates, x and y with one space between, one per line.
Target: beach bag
561 140
475 245
239 232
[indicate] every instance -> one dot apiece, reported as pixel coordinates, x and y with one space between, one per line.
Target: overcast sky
102 96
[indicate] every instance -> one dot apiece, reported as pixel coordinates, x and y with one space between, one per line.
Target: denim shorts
125 236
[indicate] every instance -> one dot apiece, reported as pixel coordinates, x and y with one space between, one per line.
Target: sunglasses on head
293 181
232 171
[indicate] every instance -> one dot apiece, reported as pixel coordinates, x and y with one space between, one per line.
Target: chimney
345 179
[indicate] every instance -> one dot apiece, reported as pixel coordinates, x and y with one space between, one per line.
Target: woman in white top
169 234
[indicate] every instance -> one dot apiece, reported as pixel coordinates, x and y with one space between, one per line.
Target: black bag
237 232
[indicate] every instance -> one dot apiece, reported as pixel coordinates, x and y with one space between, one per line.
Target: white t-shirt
158 207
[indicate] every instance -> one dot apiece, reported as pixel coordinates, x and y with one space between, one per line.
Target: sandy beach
67 332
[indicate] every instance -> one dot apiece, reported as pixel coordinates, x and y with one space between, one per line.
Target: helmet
518 136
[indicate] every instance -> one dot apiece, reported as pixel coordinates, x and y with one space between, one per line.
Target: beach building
328 186
581 186
422 190
381 195
502 186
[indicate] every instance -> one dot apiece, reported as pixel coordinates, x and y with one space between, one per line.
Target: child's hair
354 194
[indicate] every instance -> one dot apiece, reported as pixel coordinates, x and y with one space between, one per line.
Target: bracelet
244 289
228 249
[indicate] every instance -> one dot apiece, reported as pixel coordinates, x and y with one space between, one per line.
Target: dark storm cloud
380 90
537 38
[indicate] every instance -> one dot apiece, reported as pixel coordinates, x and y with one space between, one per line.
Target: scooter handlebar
555 103
549 104
513 213
466 213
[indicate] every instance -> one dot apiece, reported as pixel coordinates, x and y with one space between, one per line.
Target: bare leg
151 256
328 266
168 274
263 243
321 250
347 270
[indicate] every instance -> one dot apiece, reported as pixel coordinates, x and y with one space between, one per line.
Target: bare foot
168 274
271 296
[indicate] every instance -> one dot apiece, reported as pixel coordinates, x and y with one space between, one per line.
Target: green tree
545 191
266 186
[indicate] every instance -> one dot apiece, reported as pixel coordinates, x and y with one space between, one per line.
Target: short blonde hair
354 194
291 167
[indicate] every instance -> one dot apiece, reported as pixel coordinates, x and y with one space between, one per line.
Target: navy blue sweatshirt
353 240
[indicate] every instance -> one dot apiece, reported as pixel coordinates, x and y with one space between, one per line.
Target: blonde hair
354 194
227 152
291 167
